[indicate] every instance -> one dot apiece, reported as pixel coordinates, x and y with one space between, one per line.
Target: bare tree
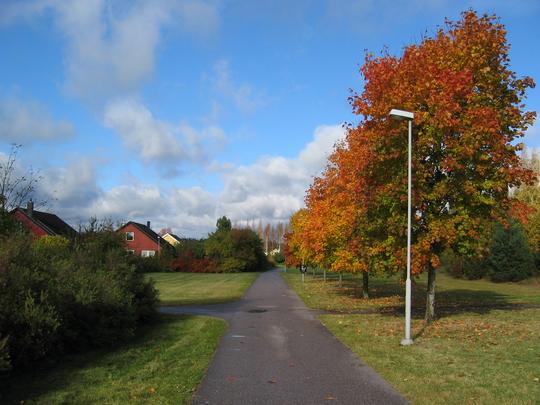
163 231
15 188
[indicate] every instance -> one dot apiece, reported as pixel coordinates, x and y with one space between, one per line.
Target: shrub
278 257
510 255
236 250
188 263
470 268
65 297
150 264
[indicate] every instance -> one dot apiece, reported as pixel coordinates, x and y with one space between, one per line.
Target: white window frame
132 236
148 253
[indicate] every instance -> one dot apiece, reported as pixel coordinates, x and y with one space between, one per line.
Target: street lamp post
409 116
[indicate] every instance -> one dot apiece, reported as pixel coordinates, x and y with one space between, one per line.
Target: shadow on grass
386 297
54 374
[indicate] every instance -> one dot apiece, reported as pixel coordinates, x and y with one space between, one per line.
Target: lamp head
401 114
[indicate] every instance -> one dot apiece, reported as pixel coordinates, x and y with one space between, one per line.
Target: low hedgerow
65 296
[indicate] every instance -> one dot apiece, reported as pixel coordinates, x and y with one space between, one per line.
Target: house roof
51 223
148 232
174 236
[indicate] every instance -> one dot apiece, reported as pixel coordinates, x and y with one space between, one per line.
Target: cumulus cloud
160 142
152 139
189 211
73 187
271 189
274 187
27 121
111 45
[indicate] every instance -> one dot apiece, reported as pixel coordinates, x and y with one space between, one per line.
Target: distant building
172 238
42 223
142 241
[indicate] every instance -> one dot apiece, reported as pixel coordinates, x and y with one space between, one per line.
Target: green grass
387 293
201 288
483 349
162 365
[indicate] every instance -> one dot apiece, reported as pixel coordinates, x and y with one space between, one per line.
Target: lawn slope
163 364
201 288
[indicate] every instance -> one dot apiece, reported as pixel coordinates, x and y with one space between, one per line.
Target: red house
42 223
141 240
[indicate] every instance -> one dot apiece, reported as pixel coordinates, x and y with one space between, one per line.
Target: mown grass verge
482 350
201 288
163 364
387 293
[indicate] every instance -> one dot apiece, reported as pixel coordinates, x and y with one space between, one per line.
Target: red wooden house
42 223
141 240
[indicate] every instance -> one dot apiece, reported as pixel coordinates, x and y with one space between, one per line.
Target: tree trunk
340 280
365 285
430 300
324 274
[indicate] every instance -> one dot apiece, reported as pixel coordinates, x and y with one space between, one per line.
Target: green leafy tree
235 250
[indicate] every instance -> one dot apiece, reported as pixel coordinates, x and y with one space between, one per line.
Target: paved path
277 352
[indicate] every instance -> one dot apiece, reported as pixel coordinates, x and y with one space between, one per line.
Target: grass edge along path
201 288
163 364
473 355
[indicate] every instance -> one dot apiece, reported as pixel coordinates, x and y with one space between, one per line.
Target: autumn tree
529 194
338 233
469 111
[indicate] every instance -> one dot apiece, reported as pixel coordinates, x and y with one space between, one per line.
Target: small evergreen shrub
510 255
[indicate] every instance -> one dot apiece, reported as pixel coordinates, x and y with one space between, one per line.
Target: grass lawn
387 294
163 364
201 288
484 349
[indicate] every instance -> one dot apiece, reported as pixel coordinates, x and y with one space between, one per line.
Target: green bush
153 264
510 255
470 268
62 296
235 250
278 257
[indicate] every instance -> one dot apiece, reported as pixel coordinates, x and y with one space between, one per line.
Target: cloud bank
271 189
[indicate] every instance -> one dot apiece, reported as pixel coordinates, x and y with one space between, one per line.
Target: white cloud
271 189
72 187
26 121
274 187
189 211
152 139
111 45
160 142
244 96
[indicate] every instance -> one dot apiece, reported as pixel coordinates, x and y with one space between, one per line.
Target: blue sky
180 111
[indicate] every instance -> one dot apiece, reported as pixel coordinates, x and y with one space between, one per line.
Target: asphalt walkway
277 352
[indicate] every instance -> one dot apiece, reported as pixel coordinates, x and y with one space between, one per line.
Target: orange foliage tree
469 111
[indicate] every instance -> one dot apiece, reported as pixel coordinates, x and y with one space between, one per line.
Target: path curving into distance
277 352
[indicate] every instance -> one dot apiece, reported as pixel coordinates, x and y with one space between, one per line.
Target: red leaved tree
469 111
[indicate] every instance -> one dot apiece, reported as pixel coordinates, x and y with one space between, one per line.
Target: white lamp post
406 115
